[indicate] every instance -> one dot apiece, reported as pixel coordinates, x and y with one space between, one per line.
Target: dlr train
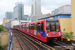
42 30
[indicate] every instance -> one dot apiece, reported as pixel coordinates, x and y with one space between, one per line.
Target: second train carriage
42 30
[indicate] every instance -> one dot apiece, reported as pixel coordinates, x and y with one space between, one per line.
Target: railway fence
9 39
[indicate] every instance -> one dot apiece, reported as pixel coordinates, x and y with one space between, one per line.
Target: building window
58 17
70 16
55 17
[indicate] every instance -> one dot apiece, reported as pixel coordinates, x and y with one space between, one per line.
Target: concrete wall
4 38
66 23
73 15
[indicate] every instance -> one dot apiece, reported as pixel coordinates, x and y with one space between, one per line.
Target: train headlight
47 34
59 33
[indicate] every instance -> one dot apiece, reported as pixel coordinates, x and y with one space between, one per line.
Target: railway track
40 46
58 45
43 46
25 44
63 46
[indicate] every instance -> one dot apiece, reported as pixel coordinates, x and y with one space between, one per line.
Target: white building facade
36 7
66 9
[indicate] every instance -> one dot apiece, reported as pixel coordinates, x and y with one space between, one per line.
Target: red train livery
42 30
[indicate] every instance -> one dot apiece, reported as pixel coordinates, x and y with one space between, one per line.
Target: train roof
36 21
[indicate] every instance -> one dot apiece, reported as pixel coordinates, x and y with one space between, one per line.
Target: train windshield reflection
52 26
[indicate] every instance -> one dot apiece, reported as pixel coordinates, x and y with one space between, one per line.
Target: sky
46 6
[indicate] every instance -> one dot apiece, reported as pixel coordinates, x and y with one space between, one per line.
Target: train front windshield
52 25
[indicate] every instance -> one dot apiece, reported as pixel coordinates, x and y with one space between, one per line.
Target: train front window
57 26
48 27
52 25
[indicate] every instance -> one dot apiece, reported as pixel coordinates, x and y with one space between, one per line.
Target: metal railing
10 39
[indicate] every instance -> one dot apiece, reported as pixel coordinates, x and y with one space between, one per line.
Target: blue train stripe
42 33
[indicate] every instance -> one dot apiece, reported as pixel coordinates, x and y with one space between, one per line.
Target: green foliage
64 29
1 28
71 33
1 47
67 35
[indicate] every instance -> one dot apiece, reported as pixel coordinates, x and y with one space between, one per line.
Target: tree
1 47
1 28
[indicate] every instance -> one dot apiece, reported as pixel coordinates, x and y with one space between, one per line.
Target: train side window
27 26
30 26
24 26
35 26
18 26
42 28
21 26
39 26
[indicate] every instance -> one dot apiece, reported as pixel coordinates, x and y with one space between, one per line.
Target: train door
42 29
35 29
23 27
32 28
28 28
